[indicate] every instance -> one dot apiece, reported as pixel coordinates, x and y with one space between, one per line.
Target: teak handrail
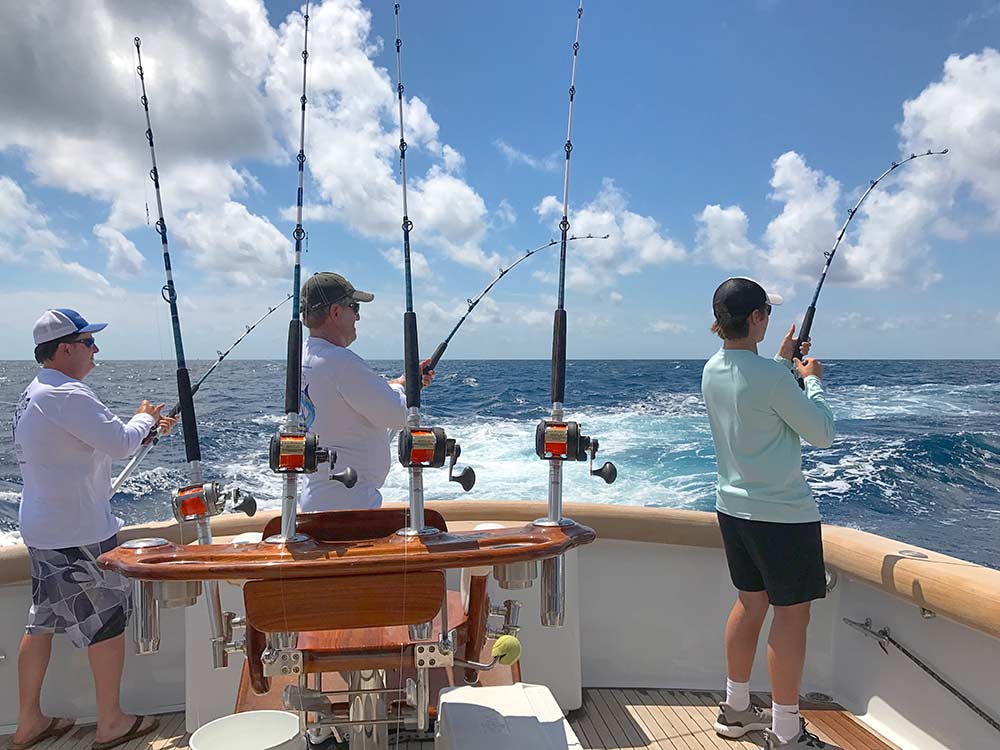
318 559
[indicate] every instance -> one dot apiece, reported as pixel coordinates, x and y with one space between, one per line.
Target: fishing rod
439 352
293 450
419 447
807 320
558 440
199 500
154 437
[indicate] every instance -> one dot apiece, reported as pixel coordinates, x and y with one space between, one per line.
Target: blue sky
710 140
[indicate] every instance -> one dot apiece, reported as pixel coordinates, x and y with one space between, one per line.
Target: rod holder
146 607
518 575
553 594
145 618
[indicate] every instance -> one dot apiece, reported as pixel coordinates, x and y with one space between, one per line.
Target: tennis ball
508 648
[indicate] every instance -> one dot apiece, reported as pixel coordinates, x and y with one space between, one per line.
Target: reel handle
466 477
348 477
608 472
244 502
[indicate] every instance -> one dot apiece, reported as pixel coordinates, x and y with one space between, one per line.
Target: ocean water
917 454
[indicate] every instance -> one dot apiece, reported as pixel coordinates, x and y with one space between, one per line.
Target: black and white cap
54 324
739 296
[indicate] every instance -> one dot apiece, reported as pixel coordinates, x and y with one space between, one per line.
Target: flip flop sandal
136 731
51 731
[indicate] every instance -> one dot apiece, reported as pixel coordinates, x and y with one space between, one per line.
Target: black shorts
783 559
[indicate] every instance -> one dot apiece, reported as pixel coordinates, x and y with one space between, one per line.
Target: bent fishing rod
154 438
439 352
807 320
558 440
419 447
199 500
293 449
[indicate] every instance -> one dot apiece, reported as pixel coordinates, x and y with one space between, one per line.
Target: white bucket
251 730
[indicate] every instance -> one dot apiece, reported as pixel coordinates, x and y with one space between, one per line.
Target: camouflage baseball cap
327 288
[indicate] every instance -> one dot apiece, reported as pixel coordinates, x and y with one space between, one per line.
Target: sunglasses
87 342
354 306
767 307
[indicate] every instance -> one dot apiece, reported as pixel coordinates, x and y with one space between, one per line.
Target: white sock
786 722
738 695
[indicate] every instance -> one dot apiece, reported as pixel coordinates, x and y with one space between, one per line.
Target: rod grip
293 372
436 357
807 322
189 423
559 356
411 359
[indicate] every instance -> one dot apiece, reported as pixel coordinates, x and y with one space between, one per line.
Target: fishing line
221 355
439 352
807 319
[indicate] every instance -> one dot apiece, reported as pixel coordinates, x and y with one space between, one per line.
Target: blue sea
917 454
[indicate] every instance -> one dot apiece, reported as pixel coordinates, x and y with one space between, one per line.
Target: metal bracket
865 628
432 655
278 663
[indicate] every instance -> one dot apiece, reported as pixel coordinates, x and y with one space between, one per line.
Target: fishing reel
562 441
196 502
430 447
300 453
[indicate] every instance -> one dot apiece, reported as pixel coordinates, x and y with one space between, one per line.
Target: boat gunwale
962 591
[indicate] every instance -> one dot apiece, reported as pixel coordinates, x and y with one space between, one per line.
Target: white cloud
505 213
236 244
124 259
667 326
25 236
722 237
890 240
224 87
548 163
353 136
634 242
419 266
204 64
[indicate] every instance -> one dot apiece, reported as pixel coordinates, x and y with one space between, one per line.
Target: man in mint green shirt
769 520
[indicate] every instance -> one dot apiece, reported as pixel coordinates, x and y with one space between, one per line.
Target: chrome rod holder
145 617
553 594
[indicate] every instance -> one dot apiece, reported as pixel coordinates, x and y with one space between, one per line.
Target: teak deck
610 719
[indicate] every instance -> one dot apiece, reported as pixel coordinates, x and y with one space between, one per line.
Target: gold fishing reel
563 441
300 453
430 447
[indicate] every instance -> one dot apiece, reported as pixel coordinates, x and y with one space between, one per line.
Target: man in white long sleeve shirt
65 440
347 405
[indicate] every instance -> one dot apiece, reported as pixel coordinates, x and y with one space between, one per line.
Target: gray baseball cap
328 288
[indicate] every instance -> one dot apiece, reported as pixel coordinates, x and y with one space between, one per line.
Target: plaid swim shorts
70 594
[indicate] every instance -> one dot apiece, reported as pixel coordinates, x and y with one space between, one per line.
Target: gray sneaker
732 723
805 741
